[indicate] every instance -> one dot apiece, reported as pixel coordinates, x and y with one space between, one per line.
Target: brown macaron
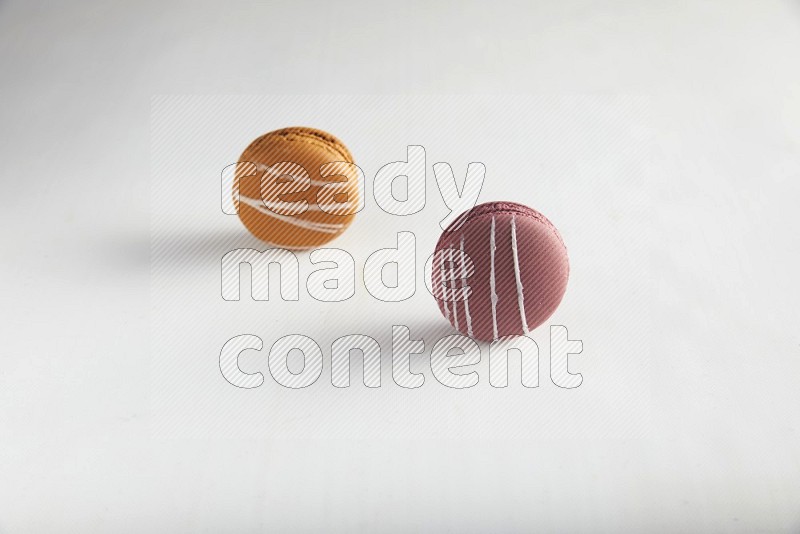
297 188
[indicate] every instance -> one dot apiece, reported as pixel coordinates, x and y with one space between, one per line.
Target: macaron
281 205
499 269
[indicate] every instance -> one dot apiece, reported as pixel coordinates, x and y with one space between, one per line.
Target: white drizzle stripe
464 285
492 248
327 228
444 287
455 297
520 297
311 207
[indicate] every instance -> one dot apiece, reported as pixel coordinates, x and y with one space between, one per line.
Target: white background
79 441
584 161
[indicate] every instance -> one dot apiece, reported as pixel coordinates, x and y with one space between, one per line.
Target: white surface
583 161
77 447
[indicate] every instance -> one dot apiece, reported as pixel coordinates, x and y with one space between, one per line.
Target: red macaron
499 269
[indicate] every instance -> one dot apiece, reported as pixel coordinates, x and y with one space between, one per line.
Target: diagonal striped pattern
304 192
492 279
517 276
452 352
279 361
402 348
342 350
519 271
465 288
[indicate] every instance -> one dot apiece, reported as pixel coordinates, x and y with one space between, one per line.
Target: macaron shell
541 262
311 149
